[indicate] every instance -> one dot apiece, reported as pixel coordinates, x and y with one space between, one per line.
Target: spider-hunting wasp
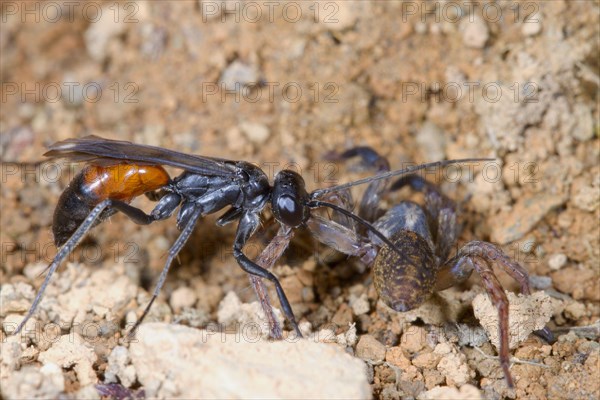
119 171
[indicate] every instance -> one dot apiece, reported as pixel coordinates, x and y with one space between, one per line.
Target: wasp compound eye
290 212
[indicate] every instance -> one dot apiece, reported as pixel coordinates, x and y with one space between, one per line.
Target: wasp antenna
320 192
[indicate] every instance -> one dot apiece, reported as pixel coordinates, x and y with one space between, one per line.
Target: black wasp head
289 199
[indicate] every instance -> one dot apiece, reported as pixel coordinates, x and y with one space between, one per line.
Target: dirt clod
369 348
453 365
72 351
526 314
199 361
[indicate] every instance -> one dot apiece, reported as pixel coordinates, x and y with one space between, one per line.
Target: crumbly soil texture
283 85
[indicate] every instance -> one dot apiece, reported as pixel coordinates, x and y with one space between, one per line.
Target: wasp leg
247 226
154 195
185 234
64 251
135 214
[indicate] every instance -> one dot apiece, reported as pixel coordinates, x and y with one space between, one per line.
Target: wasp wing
96 149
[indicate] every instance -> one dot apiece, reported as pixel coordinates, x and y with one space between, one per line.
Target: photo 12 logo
69 11
455 11
44 253
71 92
269 11
253 92
470 91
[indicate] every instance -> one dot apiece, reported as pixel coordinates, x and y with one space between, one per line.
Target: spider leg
493 253
479 255
500 301
341 238
246 227
342 198
267 259
512 268
341 232
369 205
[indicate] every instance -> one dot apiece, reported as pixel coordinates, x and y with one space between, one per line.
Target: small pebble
466 392
15 298
540 282
182 297
308 294
432 141
557 261
583 129
531 27
475 32
587 198
119 367
575 310
26 111
370 349
421 28
426 360
414 339
100 32
564 220
528 245
395 356
360 305
256 133
453 365
238 75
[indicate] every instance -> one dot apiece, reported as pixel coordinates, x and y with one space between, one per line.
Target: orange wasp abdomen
123 182
95 183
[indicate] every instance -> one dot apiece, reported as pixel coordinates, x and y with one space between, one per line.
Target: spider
425 236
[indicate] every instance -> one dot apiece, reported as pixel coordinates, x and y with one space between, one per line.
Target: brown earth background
282 85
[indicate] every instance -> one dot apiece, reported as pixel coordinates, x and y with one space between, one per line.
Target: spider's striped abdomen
405 280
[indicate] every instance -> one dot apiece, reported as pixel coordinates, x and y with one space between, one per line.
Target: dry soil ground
282 84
